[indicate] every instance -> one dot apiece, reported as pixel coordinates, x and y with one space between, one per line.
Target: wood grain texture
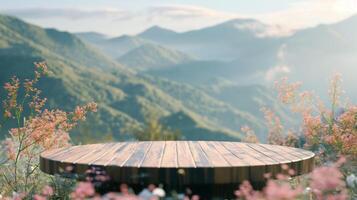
154 155
169 157
179 162
184 155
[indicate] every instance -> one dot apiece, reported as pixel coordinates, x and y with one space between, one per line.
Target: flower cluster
82 191
10 104
331 130
275 128
10 149
80 112
319 186
287 92
47 192
41 130
250 135
36 103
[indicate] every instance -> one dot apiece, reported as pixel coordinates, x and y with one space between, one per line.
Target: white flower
159 192
351 181
307 190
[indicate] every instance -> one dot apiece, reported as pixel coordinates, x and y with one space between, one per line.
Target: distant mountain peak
157 28
92 33
241 20
123 37
92 36
128 40
157 31
150 56
258 28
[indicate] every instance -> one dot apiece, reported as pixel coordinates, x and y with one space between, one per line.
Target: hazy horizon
118 18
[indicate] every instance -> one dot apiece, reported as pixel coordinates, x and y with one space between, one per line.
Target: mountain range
81 72
206 83
244 51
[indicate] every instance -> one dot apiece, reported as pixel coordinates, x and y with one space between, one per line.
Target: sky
117 17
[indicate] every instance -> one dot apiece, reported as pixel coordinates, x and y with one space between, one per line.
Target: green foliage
62 187
153 130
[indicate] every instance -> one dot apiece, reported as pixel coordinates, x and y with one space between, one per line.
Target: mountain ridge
121 94
151 56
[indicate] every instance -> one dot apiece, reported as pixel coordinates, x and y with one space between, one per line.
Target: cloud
276 71
68 13
300 14
308 13
263 30
177 12
281 68
183 17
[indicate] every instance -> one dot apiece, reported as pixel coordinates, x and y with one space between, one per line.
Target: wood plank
198 155
256 154
72 151
169 158
292 152
302 151
184 155
239 152
53 151
57 155
154 155
136 159
214 157
232 159
94 155
123 154
271 154
86 150
273 148
109 155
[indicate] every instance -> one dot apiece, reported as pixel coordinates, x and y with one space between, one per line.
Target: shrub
37 130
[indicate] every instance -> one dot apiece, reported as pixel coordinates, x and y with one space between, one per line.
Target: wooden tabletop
181 162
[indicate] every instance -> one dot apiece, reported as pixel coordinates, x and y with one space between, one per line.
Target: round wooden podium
177 164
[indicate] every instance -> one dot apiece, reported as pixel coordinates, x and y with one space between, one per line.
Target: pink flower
47 191
341 196
250 135
275 127
246 192
291 172
80 111
10 103
275 191
39 197
325 180
10 149
83 190
287 92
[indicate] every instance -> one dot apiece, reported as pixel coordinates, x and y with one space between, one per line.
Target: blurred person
147 193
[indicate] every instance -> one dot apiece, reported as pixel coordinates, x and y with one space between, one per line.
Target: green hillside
152 56
92 37
19 35
114 47
121 94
